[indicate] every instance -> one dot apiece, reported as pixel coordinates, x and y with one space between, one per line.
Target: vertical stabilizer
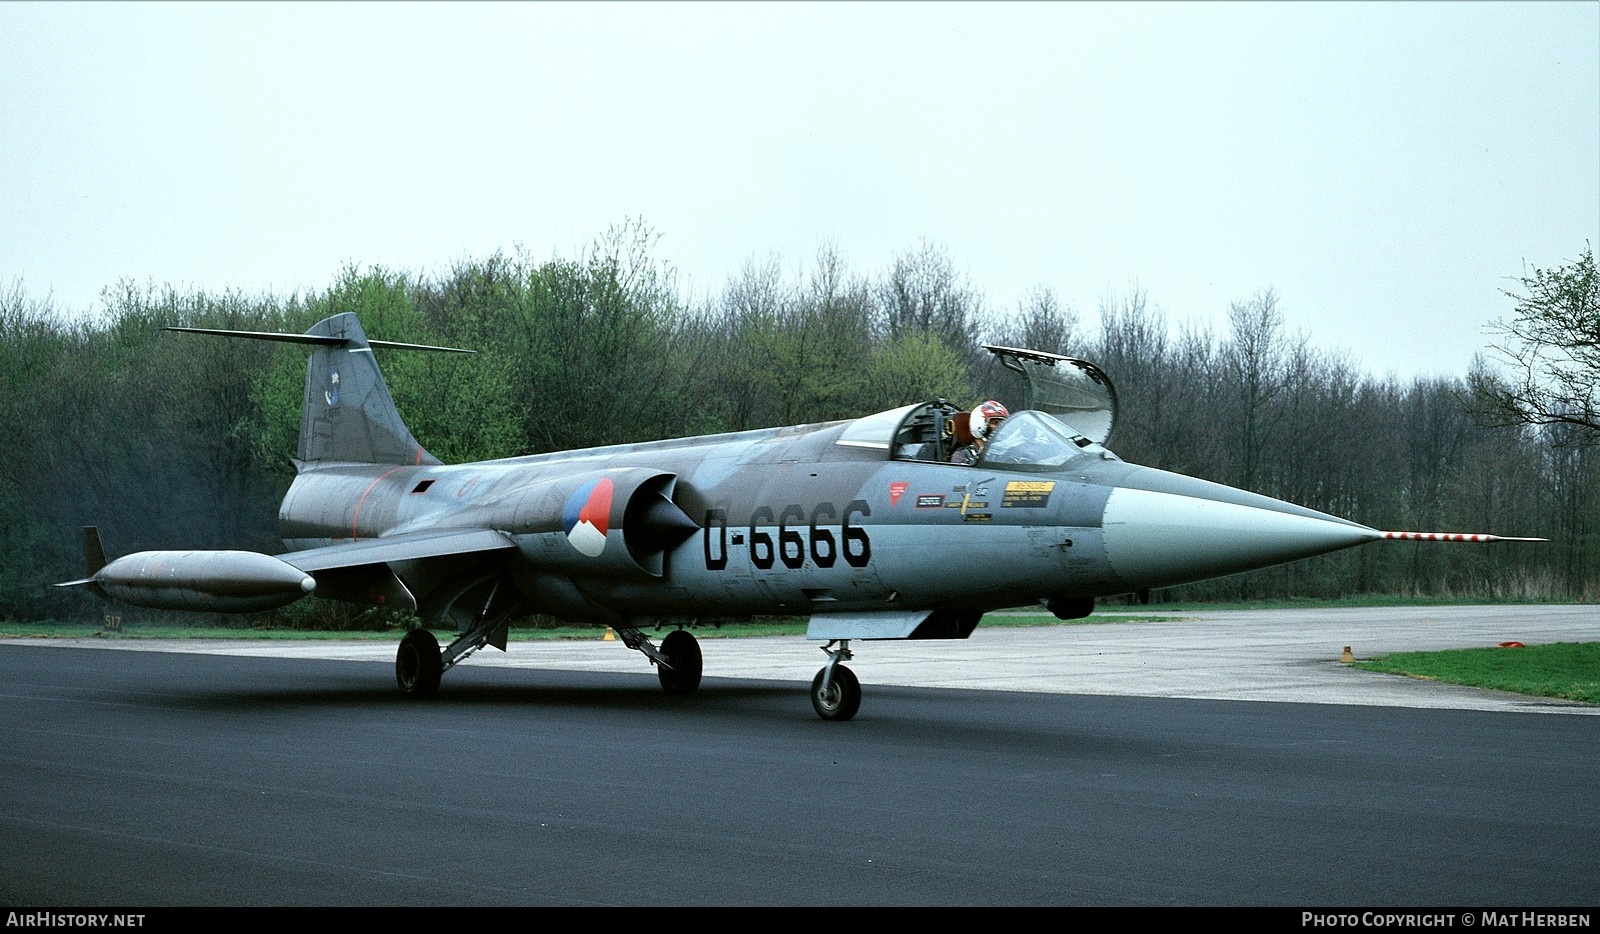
348 415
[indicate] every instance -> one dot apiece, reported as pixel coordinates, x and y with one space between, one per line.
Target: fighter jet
864 526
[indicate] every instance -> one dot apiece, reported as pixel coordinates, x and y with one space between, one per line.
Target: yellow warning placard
1027 493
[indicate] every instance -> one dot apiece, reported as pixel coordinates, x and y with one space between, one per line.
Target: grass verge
1568 670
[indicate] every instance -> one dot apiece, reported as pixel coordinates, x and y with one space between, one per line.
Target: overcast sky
1387 168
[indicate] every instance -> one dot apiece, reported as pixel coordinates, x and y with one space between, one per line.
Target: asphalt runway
1277 655
1225 760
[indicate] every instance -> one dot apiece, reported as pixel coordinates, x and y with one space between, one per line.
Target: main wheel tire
682 650
842 697
418 664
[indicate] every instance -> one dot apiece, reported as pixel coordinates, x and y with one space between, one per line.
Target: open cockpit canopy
931 431
1075 391
1069 411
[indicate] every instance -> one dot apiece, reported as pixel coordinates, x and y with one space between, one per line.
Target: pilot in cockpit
985 419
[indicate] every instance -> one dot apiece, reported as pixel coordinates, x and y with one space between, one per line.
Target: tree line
168 440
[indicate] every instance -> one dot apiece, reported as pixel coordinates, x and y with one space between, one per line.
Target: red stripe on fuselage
355 520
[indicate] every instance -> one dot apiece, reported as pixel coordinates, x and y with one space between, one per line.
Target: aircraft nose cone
1155 539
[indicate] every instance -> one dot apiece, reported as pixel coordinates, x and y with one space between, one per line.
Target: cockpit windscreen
1034 439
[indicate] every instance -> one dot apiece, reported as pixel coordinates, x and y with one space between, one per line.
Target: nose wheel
836 696
835 691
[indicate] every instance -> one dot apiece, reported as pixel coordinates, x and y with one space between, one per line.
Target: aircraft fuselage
797 521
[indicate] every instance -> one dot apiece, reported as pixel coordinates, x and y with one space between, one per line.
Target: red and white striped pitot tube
1455 537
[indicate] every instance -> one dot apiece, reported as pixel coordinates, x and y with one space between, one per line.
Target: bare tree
1257 361
1551 350
924 295
1042 323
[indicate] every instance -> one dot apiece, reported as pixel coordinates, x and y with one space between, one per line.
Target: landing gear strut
835 691
481 609
678 662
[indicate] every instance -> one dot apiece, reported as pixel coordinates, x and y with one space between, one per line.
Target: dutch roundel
587 515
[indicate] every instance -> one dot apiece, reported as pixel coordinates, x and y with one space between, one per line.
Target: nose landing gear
836 691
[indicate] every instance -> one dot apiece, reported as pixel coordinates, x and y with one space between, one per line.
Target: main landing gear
419 663
678 662
418 666
481 609
835 691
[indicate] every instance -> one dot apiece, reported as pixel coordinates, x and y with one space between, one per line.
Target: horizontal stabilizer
323 340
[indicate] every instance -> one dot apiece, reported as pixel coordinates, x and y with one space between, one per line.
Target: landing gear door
1074 391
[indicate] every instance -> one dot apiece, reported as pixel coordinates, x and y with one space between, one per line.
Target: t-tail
348 415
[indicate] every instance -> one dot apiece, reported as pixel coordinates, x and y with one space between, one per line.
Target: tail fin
348 415
94 558
94 553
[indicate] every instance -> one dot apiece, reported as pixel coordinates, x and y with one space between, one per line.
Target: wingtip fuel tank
216 581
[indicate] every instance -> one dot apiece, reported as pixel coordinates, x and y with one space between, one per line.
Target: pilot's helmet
986 417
